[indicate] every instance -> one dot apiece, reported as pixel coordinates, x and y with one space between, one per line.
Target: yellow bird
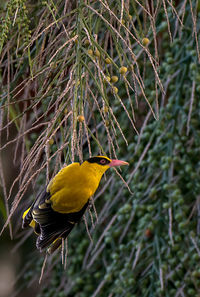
61 205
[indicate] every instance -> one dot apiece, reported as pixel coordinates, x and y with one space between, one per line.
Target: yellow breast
71 188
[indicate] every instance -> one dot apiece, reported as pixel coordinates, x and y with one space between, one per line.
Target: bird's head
101 163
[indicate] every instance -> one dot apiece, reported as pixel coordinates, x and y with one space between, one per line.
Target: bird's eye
102 162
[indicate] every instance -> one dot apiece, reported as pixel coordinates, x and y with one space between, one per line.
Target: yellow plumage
58 208
71 188
32 223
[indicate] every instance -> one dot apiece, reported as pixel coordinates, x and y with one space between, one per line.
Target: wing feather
52 225
43 195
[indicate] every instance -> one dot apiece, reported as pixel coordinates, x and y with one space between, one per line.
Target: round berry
80 118
145 41
123 70
114 79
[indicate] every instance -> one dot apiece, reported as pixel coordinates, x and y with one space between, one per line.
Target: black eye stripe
101 161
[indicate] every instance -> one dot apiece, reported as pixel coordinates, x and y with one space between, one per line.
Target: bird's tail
52 237
55 245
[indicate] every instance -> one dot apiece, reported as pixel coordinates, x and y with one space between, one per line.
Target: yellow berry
51 141
90 52
108 61
107 123
123 70
106 79
97 53
80 118
115 90
145 41
87 42
105 109
114 79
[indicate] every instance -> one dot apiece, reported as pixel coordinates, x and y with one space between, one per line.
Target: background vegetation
119 78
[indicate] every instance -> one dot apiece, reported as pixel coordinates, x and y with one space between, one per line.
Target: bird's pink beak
115 163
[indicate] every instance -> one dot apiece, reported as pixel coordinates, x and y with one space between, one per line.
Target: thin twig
87 229
43 267
191 104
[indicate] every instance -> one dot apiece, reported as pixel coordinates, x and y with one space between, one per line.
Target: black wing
42 197
52 225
